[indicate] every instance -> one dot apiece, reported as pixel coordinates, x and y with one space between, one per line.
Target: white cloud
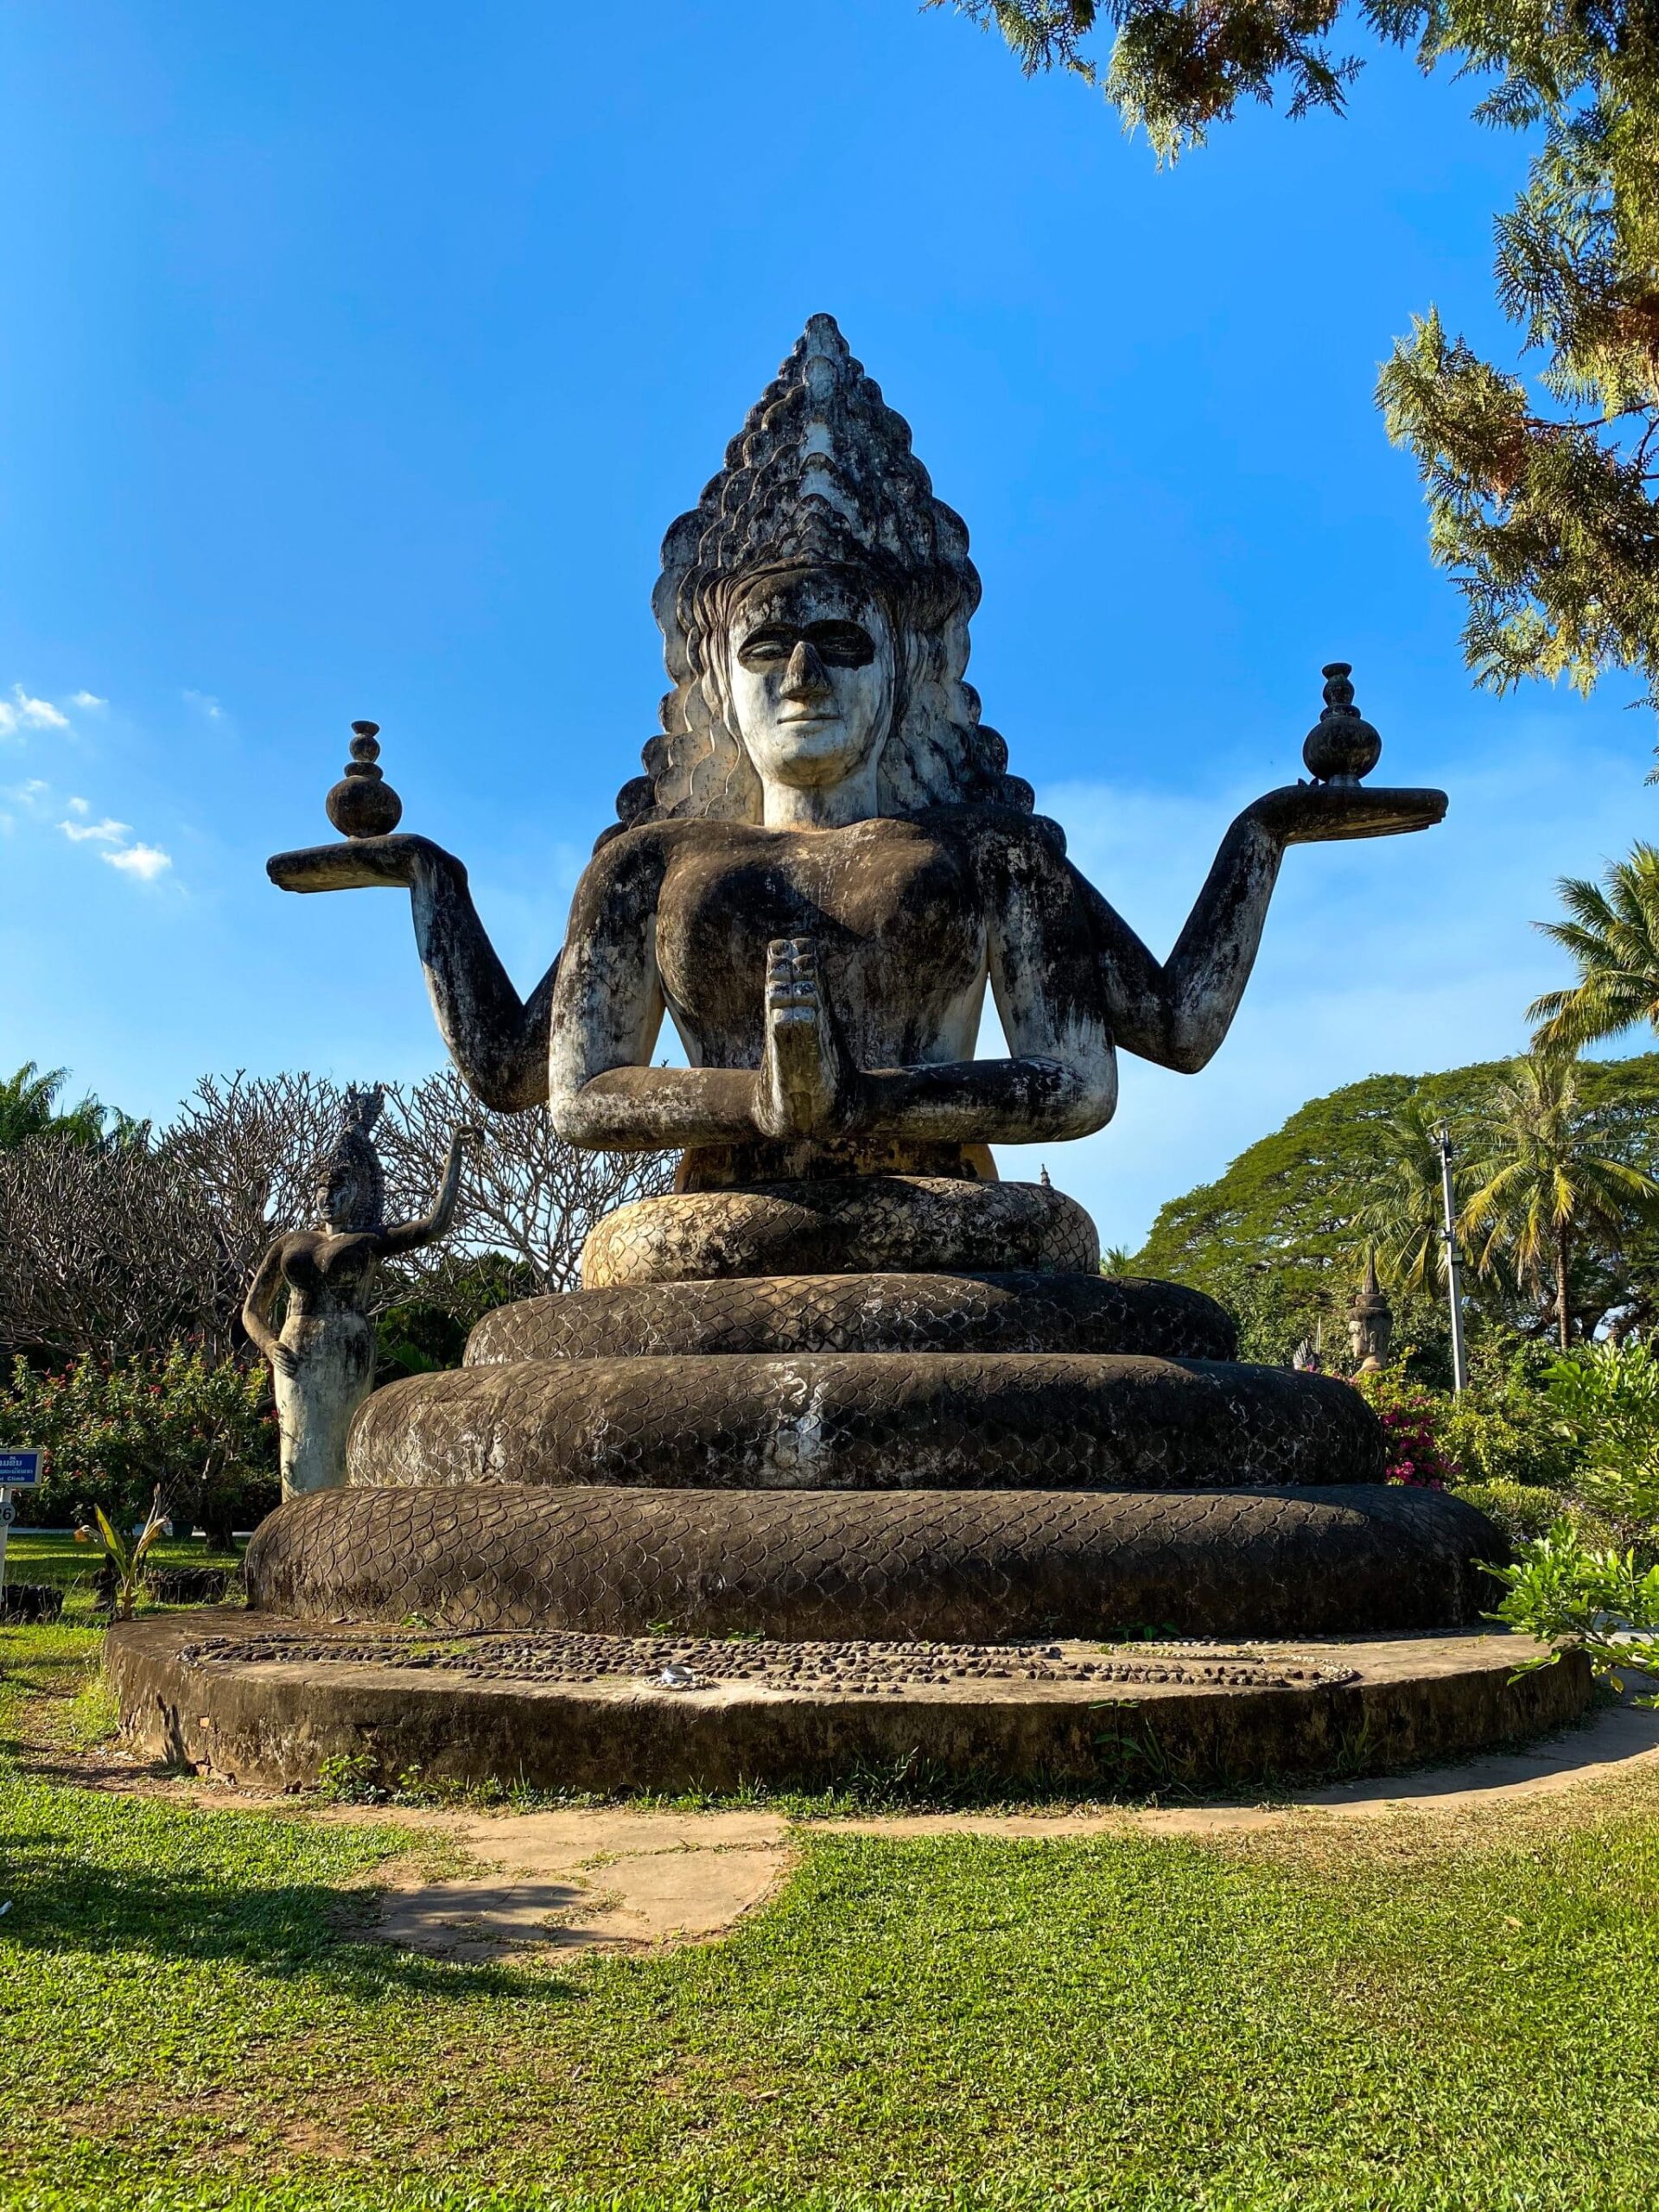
80 806
31 796
205 703
145 862
102 833
86 699
21 712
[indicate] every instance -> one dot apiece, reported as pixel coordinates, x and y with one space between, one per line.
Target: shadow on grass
62 1903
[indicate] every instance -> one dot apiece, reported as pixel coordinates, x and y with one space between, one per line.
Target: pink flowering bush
1410 1419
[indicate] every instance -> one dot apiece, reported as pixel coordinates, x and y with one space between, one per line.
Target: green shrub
1607 1397
203 1433
1508 1435
1575 1597
1521 1510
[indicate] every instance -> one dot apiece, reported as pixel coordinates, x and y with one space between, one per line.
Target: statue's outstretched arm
259 1305
1176 1013
497 1039
411 1235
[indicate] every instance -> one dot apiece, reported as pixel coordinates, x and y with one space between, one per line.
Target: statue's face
345 1203
810 678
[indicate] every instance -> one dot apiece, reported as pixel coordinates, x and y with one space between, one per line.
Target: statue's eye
763 648
847 645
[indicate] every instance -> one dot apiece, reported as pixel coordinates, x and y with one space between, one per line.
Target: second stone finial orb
363 804
1342 746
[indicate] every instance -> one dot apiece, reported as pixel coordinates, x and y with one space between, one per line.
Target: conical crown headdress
352 1162
821 473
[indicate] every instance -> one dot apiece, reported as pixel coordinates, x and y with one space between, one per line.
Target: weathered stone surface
861 1314
322 1363
903 1225
965 1566
870 1421
824 873
1405 1701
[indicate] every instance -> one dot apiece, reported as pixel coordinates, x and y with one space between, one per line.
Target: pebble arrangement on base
845 1384
695 1663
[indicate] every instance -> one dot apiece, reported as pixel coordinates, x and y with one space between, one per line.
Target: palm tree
1544 1188
1612 938
28 1108
1404 1219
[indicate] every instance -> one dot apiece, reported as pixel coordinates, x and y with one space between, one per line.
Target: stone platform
267 1702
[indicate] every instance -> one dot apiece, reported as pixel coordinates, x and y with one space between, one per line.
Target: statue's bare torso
906 917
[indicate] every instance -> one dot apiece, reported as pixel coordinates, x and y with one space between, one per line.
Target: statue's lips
805 721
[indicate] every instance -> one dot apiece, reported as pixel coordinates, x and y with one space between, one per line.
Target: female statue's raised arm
1176 1013
413 1236
497 1039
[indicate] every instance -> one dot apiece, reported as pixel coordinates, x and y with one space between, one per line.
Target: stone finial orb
363 804
1342 746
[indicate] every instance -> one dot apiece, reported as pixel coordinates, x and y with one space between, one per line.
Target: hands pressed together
806 1085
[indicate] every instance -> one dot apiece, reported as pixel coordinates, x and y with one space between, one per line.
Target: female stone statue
322 1363
826 863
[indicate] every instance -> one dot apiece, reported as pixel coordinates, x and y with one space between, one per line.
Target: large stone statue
322 1363
899 1397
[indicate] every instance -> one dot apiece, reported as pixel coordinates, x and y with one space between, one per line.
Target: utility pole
1454 1265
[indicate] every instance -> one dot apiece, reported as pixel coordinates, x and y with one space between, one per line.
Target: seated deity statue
843 1380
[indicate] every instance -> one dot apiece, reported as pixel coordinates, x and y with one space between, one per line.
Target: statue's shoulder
625 846
996 836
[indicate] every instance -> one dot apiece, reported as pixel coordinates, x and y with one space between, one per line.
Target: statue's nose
805 673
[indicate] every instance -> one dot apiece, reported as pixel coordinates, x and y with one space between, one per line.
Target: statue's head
814 608
808 672
351 1192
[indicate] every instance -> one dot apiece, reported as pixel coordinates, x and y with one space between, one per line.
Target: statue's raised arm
497 1039
826 864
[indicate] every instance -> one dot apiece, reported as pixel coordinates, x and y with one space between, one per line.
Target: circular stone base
859 1313
869 1421
266 1703
961 1566
855 1224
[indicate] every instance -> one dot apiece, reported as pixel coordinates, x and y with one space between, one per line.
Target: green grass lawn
37 1558
1429 2011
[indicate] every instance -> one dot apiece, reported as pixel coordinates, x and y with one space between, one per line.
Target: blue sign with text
20 1469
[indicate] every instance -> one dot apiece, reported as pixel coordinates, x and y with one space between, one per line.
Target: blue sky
356 356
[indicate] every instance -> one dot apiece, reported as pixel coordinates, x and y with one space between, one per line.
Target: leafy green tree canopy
1540 491
1277 1238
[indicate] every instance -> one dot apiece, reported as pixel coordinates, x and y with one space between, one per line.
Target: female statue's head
351 1192
814 608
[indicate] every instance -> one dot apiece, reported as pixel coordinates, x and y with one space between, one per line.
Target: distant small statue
322 1363
1370 1322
